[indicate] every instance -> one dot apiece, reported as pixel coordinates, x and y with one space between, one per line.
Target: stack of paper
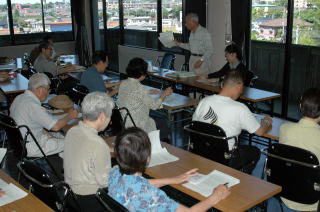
182 74
166 38
204 184
12 193
159 155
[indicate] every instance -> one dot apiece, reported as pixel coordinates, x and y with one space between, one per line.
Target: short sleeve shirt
230 115
137 194
26 109
93 80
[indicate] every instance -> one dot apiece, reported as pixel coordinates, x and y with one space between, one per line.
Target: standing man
200 45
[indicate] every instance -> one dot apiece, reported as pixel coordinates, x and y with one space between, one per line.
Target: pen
226 184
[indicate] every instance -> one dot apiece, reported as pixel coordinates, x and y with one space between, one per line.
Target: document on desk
166 38
12 193
159 155
204 184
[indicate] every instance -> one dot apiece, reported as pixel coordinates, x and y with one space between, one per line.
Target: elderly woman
136 97
131 189
305 134
86 155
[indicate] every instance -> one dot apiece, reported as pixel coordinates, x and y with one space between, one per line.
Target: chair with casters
166 61
296 170
17 143
110 204
56 194
77 93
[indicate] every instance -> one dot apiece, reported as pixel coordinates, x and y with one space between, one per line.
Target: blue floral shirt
137 194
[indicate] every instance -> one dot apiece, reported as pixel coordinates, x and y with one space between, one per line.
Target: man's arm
110 85
265 126
182 45
72 114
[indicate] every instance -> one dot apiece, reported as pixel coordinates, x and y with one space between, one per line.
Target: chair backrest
77 93
29 72
16 142
118 121
52 193
108 202
168 61
296 170
209 141
250 78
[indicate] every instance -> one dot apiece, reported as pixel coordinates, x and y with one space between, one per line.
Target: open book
204 184
159 155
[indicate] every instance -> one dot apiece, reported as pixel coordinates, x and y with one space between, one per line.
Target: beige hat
61 102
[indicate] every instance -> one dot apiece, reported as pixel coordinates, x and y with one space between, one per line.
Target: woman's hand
184 177
154 91
219 193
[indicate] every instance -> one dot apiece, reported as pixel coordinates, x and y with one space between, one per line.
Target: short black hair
47 38
310 103
233 48
136 68
99 56
44 45
132 149
232 78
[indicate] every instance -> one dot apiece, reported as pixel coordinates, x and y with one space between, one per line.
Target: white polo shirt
230 115
26 109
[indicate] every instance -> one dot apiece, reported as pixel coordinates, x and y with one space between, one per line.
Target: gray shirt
26 109
41 64
134 96
200 43
87 160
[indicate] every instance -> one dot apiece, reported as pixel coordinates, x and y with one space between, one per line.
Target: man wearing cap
200 45
26 109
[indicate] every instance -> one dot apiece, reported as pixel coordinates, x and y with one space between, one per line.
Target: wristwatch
201 59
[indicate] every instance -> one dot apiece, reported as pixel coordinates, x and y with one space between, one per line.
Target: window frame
19 39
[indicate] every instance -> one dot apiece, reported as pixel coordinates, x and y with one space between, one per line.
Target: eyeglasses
48 89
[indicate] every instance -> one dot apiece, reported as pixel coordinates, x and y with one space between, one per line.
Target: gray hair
38 80
194 17
95 103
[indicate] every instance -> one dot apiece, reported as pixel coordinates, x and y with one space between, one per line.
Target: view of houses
27 17
142 14
269 21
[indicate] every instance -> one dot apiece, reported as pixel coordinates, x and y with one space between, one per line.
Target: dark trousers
161 121
89 203
245 158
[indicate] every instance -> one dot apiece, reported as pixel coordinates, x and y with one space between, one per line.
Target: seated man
305 134
233 116
92 77
26 109
87 158
43 63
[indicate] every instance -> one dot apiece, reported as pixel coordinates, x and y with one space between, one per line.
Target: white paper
3 152
159 155
205 184
166 38
12 193
171 100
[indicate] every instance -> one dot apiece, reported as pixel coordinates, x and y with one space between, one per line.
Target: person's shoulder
288 127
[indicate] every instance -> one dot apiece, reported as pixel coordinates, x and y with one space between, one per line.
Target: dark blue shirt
93 80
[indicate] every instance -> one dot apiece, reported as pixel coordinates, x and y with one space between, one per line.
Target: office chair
108 202
166 61
296 170
250 79
17 143
56 194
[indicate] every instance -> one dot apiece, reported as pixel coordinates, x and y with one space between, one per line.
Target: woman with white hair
87 158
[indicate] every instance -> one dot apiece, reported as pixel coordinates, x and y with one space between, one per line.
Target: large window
4 20
269 34
31 17
140 14
172 16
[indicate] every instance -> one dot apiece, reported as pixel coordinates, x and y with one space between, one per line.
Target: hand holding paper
167 38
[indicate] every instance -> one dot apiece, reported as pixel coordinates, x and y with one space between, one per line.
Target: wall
18 51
